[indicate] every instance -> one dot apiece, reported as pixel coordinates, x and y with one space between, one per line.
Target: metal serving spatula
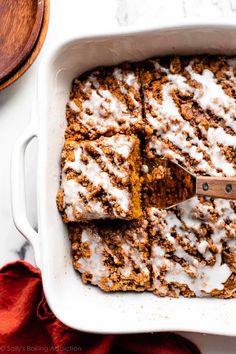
177 185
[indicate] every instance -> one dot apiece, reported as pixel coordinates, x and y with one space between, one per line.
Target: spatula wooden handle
216 187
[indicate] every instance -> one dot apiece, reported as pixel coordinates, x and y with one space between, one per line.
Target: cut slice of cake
193 249
114 255
105 101
190 104
101 179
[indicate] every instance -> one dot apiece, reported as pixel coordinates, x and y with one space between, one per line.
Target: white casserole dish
83 307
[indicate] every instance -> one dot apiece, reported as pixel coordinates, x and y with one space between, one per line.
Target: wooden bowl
27 60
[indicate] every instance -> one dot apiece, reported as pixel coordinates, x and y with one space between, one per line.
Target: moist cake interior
181 109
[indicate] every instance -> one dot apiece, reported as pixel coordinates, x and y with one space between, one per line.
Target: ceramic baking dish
85 307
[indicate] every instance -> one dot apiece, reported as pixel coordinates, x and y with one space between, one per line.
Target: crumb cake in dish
113 255
191 106
105 101
180 109
100 179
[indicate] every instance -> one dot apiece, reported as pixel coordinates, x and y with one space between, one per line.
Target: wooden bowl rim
35 51
31 40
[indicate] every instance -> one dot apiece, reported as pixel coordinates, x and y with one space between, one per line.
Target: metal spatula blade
177 184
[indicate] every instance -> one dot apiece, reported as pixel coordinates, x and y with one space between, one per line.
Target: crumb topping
183 110
116 255
104 102
96 178
188 98
189 244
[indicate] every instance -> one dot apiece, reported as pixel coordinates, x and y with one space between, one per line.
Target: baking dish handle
18 199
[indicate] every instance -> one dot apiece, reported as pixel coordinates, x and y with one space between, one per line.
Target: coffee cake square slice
105 101
113 255
193 249
190 105
101 179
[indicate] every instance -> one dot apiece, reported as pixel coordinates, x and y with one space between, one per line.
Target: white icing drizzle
126 271
212 96
219 136
121 144
135 256
202 246
73 106
171 126
145 168
205 280
198 276
130 78
95 263
98 177
76 197
99 103
102 110
73 193
112 168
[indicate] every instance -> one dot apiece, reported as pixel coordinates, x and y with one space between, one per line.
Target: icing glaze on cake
184 110
113 256
188 245
104 102
184 98
97 179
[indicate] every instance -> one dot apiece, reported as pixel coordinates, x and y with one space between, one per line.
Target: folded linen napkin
27 324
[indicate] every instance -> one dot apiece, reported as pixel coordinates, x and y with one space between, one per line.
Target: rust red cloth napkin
27 325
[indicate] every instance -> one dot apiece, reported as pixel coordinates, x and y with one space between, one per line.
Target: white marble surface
84 17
